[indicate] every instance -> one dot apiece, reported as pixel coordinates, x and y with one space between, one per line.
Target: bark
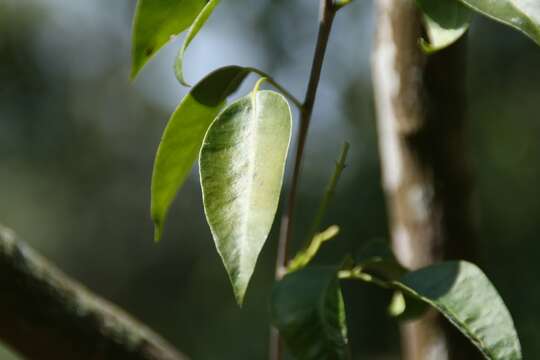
46 315
420 105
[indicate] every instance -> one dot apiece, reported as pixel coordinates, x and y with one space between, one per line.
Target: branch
46 315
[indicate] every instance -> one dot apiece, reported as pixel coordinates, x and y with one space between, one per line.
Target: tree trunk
420 105
45 315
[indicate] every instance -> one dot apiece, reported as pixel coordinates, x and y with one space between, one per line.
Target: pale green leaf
193 31
155 23
183 136
523 15
465 296
308 310
241 165
445 22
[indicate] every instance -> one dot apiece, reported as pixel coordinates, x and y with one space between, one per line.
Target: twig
46 315
326 18
330 190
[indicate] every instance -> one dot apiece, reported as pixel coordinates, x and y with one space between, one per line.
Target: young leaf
445 20
183 136
155 23
308 310
523 15
403 307
241 165
304 257
193 31
464 295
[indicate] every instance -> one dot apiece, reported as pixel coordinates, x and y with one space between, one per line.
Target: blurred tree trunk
420 104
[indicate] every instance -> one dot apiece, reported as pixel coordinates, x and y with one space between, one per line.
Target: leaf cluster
241 148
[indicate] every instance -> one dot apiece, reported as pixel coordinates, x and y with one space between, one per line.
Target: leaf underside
523 15
184 134
308 310
155 23
242 162
445 22
465 296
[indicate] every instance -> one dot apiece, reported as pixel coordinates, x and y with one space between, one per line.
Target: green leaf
523 15
465 296
155 23
304 257
193 31
404 307
183 136
308 310
445 21
241 164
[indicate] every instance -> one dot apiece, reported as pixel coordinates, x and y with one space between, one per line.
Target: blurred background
77 142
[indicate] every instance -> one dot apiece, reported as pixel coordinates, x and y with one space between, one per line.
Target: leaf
193 31
465 296
404 307
445 21
308 310
305 256
184 134
523 15
155 23
241 165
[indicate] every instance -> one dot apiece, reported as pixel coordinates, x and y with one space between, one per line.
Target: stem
275 84
327 12
330 190
326 17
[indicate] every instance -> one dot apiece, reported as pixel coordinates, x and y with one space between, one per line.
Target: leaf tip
239 294
158 231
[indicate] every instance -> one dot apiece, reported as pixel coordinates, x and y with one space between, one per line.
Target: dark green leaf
193 31
155 23
445 20
523 15
308 309
184 134
241 164
465 296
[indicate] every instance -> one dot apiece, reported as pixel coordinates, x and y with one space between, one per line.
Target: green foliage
523 15
242 150
445 22
155 23
308 309
242 163
183 136
193 31
463 294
